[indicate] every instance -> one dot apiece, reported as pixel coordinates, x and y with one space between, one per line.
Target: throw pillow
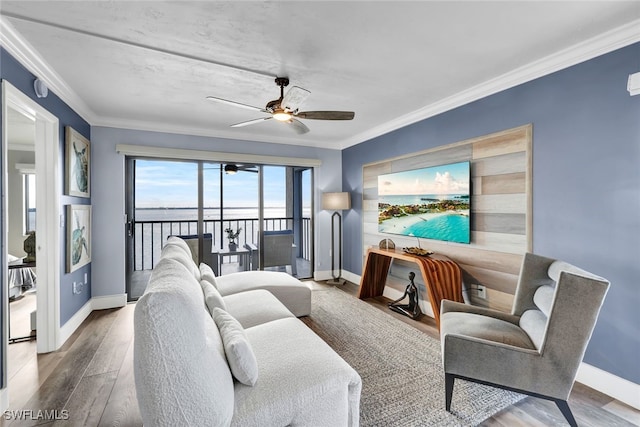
242 361
207 274
212 297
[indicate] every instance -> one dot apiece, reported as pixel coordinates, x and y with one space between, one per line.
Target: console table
442 277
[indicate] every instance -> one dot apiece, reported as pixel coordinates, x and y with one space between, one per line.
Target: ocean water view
186 214
430 216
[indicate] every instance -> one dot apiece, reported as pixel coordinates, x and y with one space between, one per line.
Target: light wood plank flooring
91 377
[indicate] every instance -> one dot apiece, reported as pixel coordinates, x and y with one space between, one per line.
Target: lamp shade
336 201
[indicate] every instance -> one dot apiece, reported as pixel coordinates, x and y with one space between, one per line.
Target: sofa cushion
291 292
172 334
206 273
212 297
253 308
240 356
174 250
174 240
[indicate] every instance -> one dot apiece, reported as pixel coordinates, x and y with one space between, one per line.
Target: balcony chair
535 350
279 251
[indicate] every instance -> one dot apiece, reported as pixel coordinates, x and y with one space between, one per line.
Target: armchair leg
566 411
448 390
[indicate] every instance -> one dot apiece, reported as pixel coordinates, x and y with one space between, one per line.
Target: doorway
47 184
21 224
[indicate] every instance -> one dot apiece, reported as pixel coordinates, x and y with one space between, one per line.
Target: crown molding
596 46
29 57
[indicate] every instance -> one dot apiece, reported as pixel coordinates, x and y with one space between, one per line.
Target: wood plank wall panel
500 212
508 183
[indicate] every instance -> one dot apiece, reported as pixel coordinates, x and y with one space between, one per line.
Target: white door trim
48 190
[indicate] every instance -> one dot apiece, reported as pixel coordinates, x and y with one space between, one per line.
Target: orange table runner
442 277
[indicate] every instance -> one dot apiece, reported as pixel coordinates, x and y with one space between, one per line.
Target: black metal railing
149 236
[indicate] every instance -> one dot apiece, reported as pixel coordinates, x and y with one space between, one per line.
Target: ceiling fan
231 168
286 108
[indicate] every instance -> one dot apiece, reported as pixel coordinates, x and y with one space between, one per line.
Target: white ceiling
150 65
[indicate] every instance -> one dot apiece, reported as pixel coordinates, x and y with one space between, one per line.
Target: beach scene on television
431 203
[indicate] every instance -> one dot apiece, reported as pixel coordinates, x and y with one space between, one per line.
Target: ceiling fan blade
326 115
298 126
235 104
250 122
248 168
294 98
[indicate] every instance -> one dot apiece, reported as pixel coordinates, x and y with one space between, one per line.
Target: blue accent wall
586 182
12 71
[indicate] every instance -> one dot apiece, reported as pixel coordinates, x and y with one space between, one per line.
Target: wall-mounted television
432 203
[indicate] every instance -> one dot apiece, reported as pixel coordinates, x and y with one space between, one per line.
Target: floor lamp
336 202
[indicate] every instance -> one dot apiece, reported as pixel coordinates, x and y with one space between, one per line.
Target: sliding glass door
162 200
207 203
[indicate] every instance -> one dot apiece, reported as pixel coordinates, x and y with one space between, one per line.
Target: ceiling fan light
230 169
282 116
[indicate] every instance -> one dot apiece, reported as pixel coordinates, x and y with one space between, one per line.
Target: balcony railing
149 236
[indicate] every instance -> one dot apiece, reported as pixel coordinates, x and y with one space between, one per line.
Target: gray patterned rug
401 369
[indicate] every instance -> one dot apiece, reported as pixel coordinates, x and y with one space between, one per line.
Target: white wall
15 201
108 197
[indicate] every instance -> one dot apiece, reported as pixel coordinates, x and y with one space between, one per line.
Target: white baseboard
320 276
623 390
108 301
95 303
72 324
353 278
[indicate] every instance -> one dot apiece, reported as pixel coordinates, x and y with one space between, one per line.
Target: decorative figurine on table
386 244
412 309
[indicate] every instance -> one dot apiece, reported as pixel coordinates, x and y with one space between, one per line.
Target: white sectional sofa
190 355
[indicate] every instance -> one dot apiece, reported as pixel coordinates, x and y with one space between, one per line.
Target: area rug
400 367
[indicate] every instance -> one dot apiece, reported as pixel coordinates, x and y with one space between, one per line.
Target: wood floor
90 380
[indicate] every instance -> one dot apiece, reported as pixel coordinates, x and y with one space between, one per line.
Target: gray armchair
537 348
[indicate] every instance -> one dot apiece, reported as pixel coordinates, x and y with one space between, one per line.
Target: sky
174 184
445 179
